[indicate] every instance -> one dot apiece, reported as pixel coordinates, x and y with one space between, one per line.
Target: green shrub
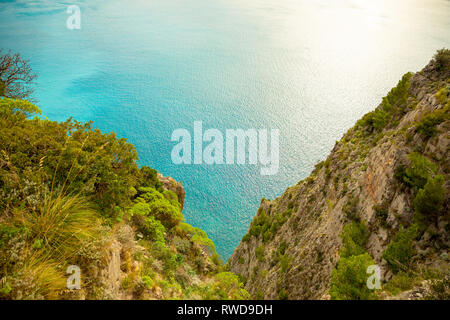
182 245
197 235
283 294
168 257
429 201
246 237
260 253
354 239
285 263
393 103
153 229
439 289
282 248
7 232
172 197
152 202
427 126
399 252
398 96
227 287
150 178
165 212
259 224
417 173
148 282
349 279
442 60
402 281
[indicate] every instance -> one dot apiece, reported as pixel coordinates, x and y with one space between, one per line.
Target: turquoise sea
143 68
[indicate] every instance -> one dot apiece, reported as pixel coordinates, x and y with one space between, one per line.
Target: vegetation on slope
71 195
381 197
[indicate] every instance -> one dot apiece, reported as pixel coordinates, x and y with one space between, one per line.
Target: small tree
442 59
16 77
429 201
349 279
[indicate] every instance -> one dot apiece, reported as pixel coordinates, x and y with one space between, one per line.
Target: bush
442 60
150 178
402 281
61 224
354 239
417 173
399 252
197 235
227 287
165 212
151 202
283 294
429 201
349 279
153 229
260 253
259 224
427 126
393 103
375 120
285 263
398 96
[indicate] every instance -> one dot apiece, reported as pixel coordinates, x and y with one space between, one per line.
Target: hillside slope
73 198
381 197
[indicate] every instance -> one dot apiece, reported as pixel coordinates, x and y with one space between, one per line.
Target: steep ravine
295 241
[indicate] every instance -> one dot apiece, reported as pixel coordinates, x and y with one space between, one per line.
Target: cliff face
295 241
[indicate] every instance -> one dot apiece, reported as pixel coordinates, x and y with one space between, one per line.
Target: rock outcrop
175 186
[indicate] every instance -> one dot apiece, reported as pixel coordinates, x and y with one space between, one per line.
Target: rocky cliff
381 196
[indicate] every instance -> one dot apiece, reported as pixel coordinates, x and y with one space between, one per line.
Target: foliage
67 190
197 236
439 289
402 281
16 76
62 223
417 173
428 125
393 104
151 202
399 252
283 294
153 229
260 224
285 263
348 280
429 201
71 156
227 287
260 253
442 60
422 175
354 239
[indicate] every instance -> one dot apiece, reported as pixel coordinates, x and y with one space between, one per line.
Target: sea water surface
143 68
